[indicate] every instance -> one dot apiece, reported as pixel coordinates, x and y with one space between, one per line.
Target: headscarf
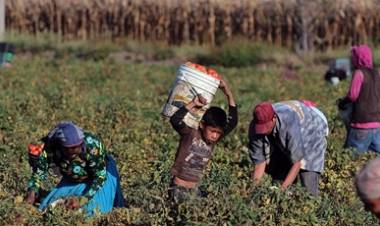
361 56
67 134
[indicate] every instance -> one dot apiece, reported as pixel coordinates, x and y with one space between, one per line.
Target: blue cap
68 134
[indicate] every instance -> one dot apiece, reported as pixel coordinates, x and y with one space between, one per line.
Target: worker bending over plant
90 179
288 139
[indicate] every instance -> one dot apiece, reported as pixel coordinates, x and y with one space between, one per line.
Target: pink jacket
361 57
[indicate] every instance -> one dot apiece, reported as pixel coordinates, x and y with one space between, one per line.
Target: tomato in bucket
191 80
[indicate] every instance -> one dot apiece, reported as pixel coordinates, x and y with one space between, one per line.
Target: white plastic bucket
189 83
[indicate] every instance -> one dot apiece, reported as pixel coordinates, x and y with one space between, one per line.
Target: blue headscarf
67 134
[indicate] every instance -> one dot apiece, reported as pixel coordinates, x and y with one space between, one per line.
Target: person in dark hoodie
364 97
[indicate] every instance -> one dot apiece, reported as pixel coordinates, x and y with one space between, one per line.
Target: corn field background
317 24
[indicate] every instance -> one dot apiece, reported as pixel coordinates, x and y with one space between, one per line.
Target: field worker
364 94
90 179
367 183
196 145
288 139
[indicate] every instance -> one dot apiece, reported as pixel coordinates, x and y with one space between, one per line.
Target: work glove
343 103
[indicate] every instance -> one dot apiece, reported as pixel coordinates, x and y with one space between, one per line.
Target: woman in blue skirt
90 180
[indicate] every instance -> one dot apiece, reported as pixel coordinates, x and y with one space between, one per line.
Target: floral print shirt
90 166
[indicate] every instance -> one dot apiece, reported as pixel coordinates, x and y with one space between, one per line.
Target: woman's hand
72 203
31 198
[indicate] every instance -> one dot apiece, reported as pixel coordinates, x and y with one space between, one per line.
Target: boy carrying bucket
196 145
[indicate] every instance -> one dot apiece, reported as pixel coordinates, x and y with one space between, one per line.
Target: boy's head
212 125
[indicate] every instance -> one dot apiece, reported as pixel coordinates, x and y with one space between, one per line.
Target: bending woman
89 175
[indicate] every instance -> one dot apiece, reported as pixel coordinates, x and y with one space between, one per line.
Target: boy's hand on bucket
199 101
196 103
202 101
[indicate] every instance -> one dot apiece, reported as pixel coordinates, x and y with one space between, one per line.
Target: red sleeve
356 84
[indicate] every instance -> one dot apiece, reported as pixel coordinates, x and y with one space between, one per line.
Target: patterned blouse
91 164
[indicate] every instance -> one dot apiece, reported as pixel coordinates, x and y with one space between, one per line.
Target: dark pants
279 166
179 194
310 181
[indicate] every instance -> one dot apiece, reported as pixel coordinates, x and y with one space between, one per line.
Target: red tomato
213 73
35 149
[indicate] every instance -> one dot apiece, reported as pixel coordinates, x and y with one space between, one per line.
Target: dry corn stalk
336 23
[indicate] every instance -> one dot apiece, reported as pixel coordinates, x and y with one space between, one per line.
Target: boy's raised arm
232 119
227 92
177 118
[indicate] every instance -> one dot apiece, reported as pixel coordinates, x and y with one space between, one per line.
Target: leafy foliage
236 53
122 103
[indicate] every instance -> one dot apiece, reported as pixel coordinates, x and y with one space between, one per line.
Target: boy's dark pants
179 194
279 166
